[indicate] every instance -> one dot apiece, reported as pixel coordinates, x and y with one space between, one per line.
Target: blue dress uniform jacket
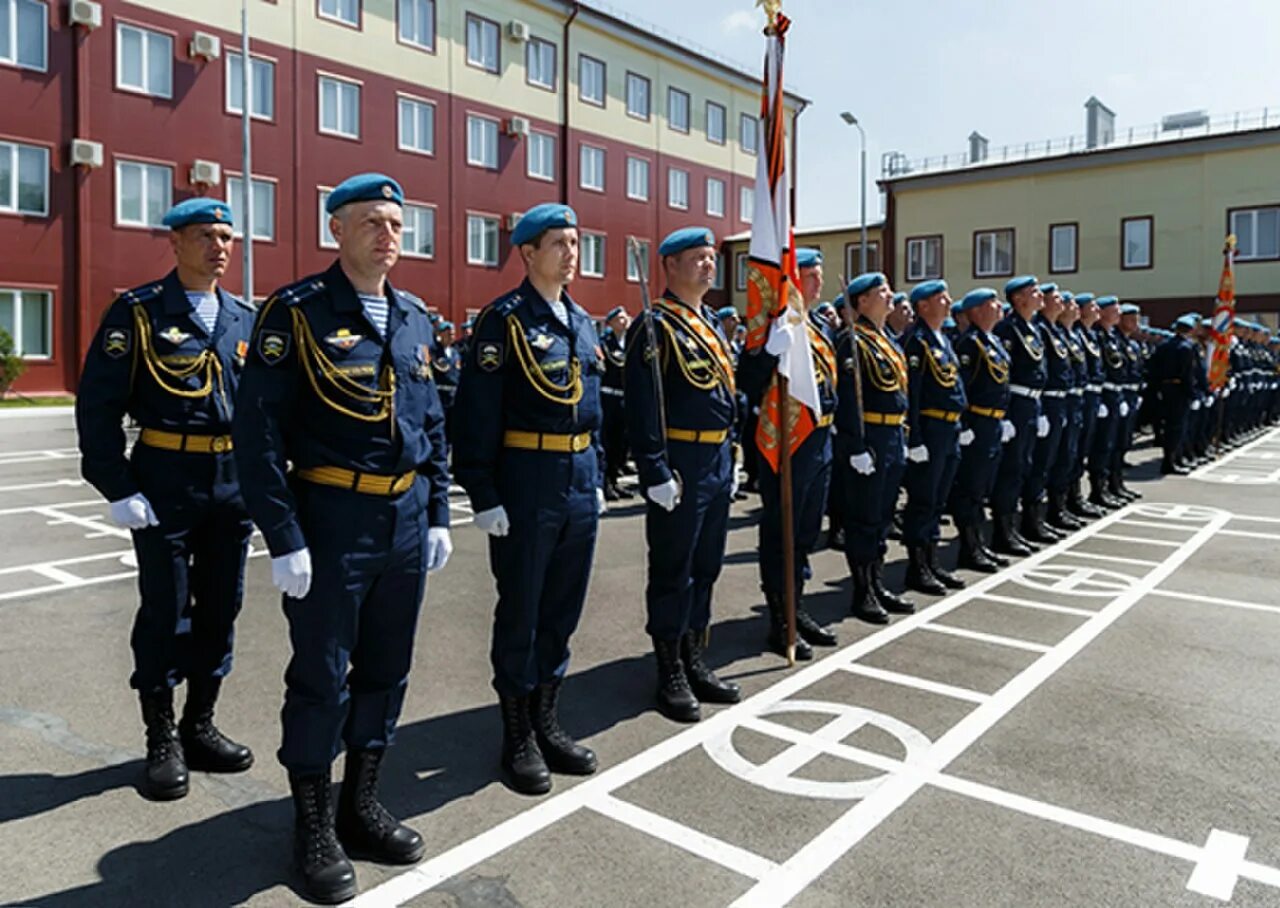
936 402
612 398
447 365
1027 376
358 417
154 360
1172 371
686 545
1094 376
1115 376
871 412
1069 451
530 443
984 368
1132 384
1060 380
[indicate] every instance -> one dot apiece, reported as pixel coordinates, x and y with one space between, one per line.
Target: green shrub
11 364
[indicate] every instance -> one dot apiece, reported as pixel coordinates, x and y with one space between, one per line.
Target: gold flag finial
1232 242
772 8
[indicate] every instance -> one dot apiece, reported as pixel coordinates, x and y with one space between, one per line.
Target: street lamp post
851 120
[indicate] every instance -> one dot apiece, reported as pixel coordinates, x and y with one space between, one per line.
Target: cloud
741 20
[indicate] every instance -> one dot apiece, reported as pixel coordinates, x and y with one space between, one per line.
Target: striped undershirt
205 306
375 309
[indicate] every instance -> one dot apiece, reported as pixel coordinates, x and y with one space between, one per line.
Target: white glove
1195 405
966 437
665 496
1007 431
133 513
1139 403
1124 409
439 548
1042 426
918 454
781 336
601 504
1103 412
863 463
733 484
904 451
291 573
494 521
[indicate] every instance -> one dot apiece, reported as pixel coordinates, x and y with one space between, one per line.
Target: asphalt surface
1097 725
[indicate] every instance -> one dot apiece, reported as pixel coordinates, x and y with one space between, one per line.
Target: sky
921 75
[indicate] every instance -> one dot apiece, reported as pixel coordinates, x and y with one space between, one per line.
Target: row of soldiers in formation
321 418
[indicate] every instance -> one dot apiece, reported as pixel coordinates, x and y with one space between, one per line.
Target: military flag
1224 316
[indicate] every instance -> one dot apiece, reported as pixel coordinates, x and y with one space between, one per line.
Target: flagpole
246 179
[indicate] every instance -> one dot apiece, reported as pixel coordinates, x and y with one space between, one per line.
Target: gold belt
884 419
192 444
991 412
543 441
364 483
944 415
825 420
699 436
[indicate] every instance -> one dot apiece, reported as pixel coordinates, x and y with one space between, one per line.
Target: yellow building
841 246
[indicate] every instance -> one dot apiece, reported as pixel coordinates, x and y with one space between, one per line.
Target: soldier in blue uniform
900 318
446 360
1173 372
1028 373
169 354
1059 383
1093 375
339 437
1127 337
1060 516
936 403
530 458
1110 415
680 436
810 471
613 432
984 368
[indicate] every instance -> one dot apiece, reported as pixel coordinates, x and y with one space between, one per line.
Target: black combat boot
778 629
891 602
1058 516
866 606
206 748
1033 528
523 766
365 828
1079 507
562 753
980 537
706 686
327 875
919 576
972 555
949 580
808 628
166 774
1099 496
675 698
1005 540
1115 485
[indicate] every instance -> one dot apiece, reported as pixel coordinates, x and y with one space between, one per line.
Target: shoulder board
298 293
238 301
143 294
505 305
411 299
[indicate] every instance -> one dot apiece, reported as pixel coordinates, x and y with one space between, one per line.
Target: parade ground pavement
1096 725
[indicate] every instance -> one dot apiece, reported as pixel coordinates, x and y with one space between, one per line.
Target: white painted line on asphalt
1042 606
1254 518
13 458
58 575
933 687
1141 540
739 860
1215 600
35 508
1206 473
37 411
1218 869
1010 642
1114 559
1247 534
52 484
62 587
58 516
1151 525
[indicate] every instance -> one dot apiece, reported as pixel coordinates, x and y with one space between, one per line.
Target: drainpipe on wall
82 292
795 158
564 106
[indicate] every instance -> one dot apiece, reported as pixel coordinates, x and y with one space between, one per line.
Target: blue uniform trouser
810 482
1125 427
1175 408
1088 428
1045 452
686 546
190 567
543 565
869 501
1015 462
352 634
929 483
1064 467
979 461
1104 437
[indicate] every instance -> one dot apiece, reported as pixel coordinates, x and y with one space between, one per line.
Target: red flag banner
1224 316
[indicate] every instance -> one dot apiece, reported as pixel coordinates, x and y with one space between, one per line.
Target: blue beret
837 301
1048 288
1190 320
1105 301
469 323
434 317
1084 299
975 298
823 307
1022 282
955 307
615 312
862 283
1006 307
1129 309
445 326
808 257
726 312
899 297
197 211
364 187
927 289
949 322
541 218
686 238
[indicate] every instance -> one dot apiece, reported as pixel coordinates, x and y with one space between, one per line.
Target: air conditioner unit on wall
208 173
85 153
518 126
513 220
517 30
86 13
206 45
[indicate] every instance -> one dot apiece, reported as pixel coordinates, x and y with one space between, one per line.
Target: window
1135 242
144 61
678 188
541 152
592 254
853 258
715 197
1257 233
24 178
749 133
540 63
643 254
264 206
27 316
715 122
262 84
591 87
24 33
482 240
993 253
678 109
740 269
418 239
326 235
924 258
482 142
591 168
717 282
344 11
637 179
144 192
339 107
417 125
637 96
482 43
1063 246
417 23
746 203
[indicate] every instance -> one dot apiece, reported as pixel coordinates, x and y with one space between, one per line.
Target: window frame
741 268
435 22
582 150
12 50
435 220
672 92
852 268
50 311
1151 242
1075 250
16 178
253 58
402 97
255 181
648 179
604 81
648 90
723 191
743 119
633 277
322 193
497 141
724 123
906 257
604 246
1254 209
497 239
529 49
497 45
147 32
146 163
746 213
337 19
671 178
321 77
528 156
995 232
717 282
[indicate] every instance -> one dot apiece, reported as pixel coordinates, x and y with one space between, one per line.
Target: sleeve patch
489 356
273 346
117 342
